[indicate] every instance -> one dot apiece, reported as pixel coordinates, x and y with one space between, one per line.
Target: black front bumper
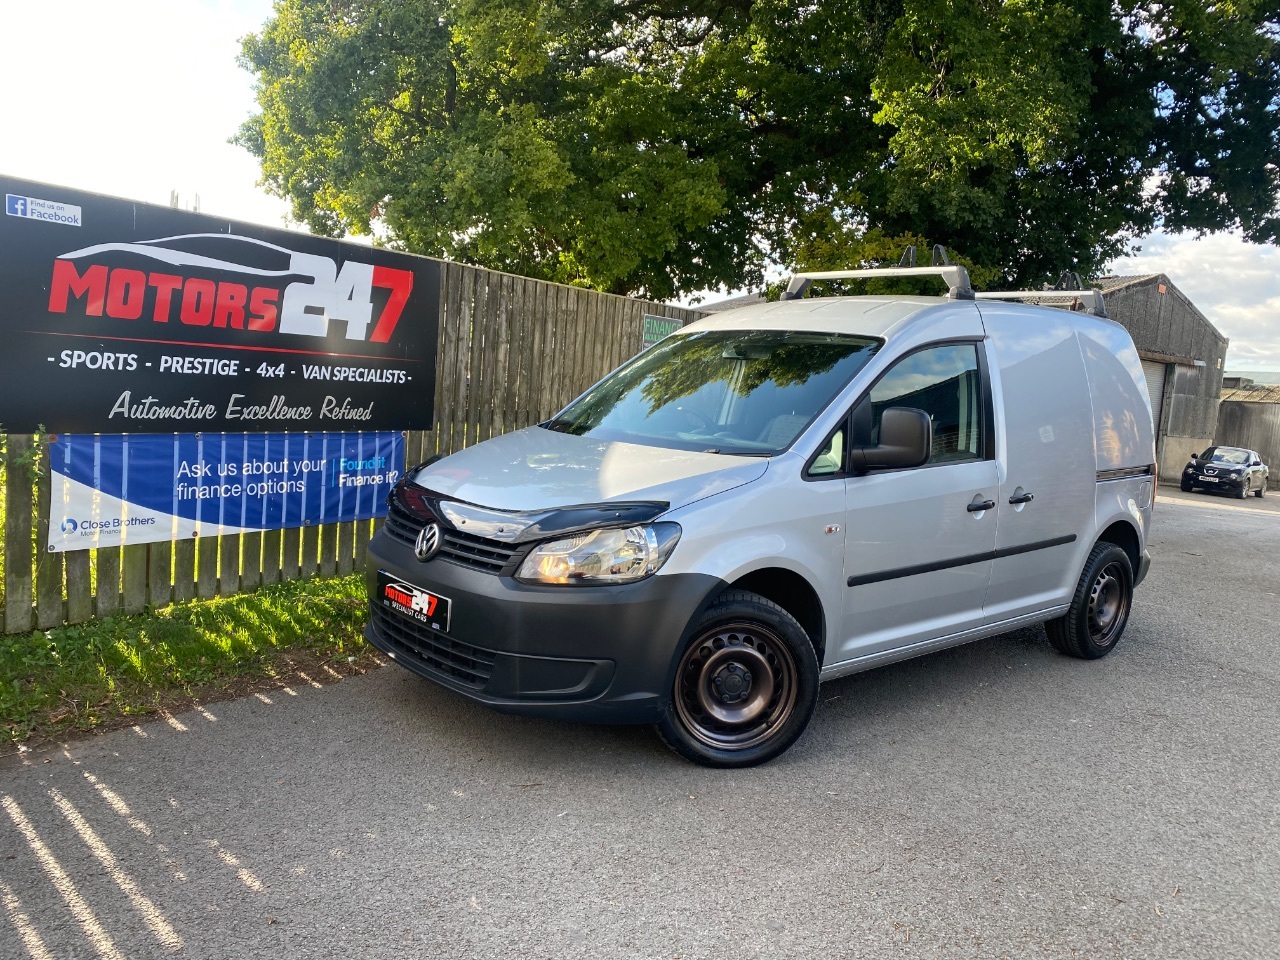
1216 482
590 654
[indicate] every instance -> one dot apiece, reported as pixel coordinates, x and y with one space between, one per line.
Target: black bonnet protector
521 527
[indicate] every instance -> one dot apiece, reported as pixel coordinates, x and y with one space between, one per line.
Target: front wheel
745 686
1243 490
1100 608
1186 486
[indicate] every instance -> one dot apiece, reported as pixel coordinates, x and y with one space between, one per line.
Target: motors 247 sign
122 317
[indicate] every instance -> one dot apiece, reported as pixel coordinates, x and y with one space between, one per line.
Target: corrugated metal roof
1108 284
1258 394
745 300
1268 377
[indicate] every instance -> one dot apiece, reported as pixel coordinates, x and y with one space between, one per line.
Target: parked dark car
1228 470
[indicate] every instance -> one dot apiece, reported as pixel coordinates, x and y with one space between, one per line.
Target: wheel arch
1125 536
794 594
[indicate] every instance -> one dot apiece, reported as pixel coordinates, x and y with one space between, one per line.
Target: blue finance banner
118 489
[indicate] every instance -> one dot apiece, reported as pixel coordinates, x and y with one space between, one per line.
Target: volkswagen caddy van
776 496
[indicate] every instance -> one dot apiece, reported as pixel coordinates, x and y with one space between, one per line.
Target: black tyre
745 686
1100 608
1262 489
1242 491
1186 486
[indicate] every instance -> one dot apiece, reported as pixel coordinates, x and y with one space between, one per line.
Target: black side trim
919 569
958 561
1125 472
1031 547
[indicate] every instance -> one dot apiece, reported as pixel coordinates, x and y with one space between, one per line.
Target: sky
135 98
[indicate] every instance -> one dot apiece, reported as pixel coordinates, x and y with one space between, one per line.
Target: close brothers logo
87 528
265 304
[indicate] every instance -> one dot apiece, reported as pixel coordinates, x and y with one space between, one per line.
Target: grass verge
111 672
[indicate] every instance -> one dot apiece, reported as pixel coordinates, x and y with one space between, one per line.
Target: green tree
663 146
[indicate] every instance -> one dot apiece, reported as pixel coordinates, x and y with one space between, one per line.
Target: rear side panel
1123 433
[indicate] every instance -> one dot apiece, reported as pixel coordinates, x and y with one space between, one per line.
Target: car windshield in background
1226 455
721 391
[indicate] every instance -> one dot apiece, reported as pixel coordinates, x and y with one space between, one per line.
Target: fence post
49 607
19 493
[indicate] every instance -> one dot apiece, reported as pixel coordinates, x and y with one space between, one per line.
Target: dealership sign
122 317
113 490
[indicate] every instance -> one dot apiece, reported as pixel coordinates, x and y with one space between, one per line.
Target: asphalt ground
997 800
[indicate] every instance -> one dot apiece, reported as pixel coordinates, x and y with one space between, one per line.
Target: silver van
775 496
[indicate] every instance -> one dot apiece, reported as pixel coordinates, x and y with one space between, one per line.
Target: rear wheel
1262 489
1100 608
745 686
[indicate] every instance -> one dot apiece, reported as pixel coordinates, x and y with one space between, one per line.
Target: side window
943 382
830 459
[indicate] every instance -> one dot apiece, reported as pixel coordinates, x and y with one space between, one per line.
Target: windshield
1225 455
720 391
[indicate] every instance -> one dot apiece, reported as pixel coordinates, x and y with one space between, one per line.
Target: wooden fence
512 351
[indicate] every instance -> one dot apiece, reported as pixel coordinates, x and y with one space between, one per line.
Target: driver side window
944 382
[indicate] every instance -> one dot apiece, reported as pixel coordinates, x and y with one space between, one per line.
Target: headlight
616 555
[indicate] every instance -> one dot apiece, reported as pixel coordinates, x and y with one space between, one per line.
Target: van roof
872 316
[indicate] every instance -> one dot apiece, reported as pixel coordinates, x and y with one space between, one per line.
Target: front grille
402 525
478 553
432 651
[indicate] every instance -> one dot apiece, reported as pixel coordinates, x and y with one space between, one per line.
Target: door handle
1022 498
979 505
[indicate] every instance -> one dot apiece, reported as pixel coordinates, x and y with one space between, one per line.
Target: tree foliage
665 146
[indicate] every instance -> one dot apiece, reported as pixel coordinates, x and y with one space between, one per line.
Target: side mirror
1256 463
906 440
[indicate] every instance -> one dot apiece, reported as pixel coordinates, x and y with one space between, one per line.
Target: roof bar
956 277
1090 299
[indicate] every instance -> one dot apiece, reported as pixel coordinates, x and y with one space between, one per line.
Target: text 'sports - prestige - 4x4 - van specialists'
776 496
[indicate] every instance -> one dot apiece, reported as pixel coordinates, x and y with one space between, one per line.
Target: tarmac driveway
997 800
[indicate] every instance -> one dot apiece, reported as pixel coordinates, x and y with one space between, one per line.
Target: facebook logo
33 208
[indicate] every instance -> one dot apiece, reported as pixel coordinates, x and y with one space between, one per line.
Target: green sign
655 328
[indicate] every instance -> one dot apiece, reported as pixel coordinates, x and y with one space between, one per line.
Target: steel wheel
1108 605
1099 609
736 684
744 687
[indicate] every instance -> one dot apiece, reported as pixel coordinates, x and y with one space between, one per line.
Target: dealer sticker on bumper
414 602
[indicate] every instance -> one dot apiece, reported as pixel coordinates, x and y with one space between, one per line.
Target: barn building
1182 356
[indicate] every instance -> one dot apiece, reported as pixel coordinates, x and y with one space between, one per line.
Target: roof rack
956 277
1068 287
